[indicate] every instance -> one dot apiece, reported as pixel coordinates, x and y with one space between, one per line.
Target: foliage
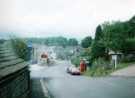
129 45
131 24
128 58
20 48
114 35
75 60
98 71
54 41
2 41
98 47
72 42
100 68
86 42
101 62
98 50
61 41
99 33
86 52
117 36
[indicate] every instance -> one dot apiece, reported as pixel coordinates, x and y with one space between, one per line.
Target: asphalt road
62 85
37 91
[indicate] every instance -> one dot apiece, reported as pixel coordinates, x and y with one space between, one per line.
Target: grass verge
102 71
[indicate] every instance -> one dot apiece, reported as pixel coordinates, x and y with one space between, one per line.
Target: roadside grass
125 64
99 71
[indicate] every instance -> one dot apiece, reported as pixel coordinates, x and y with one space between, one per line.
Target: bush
98 50
128 58
20 48
75 61
86 52
2 41
100 67
98 71
101 62
86 42
129 45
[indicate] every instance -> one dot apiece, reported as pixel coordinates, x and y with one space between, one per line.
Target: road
62 85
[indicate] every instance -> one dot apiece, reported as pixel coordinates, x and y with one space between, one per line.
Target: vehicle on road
73 70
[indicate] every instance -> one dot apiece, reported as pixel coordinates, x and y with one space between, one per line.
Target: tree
131 24
129 46
62 41
21 48
99 33
98 47
115 35
86 42
72 42
98 50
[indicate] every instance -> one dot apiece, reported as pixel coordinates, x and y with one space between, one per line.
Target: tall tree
98 48
99 33
86 42
114 35
131 24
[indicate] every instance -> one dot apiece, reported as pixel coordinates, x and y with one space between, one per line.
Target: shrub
86 42
128 58
98 50
129 45
20 48
98 71
101 62
75 61
100 67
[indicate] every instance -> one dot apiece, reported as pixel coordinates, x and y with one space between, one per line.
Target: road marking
44 88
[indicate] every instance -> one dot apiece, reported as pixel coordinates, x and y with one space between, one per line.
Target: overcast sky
70 18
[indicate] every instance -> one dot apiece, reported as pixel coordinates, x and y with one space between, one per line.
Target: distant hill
5 35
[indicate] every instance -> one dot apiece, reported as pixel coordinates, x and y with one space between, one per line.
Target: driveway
62 85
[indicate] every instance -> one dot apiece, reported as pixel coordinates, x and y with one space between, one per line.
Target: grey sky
71 18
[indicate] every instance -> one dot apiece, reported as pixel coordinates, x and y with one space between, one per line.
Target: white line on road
44 88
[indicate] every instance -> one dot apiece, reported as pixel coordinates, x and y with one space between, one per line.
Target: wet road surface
37 91
62 85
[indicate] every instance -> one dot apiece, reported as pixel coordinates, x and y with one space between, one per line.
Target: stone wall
16 85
